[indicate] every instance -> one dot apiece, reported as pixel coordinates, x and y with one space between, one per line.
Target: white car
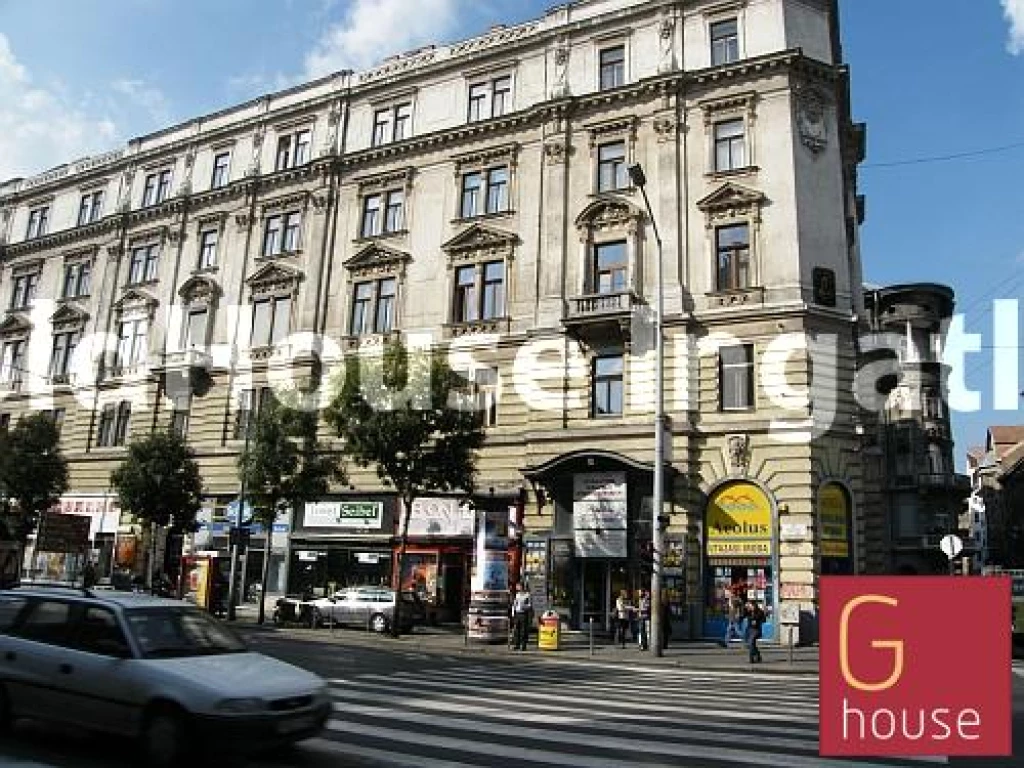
158 670
367 607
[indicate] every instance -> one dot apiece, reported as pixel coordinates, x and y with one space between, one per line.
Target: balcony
602 315
188 358
944 481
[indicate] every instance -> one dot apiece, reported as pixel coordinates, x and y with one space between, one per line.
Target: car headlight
239 706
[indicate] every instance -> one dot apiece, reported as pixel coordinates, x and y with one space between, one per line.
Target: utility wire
946 158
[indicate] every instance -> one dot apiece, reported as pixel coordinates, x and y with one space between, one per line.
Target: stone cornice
792 60
60 239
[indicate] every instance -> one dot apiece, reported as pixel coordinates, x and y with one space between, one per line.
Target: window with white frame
196 322
392 123
490 98
12 361
736 377
730 145
113 424
612 67
479 292
62 353
91 207
208 248
373 306
157 187
271 320
477 391
383 213
199 299
611 167
484 192
132 342
732 248
281 233
725 41
293 149
23 290
610 267
38 222
220 175
607 385
77 278
144 264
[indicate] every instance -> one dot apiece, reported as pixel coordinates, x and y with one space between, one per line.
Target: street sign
63 533
951 545
232 513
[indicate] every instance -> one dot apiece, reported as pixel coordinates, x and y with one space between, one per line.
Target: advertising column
489 598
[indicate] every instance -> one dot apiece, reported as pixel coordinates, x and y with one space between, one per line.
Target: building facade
997 497
476 195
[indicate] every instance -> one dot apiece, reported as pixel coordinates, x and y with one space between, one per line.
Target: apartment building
476 195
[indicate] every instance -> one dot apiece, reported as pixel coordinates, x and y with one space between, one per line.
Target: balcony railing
601 304
944 481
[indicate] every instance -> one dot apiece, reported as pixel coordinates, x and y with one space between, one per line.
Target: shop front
104 527
740 555
835 526
341 542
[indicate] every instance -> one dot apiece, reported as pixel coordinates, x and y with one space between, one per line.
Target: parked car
293 610
369 607
161 671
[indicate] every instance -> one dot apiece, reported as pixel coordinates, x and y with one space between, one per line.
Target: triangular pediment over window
200 289
731 196
608 212
15 325
135 298
68 316
481 238
377 255
274 277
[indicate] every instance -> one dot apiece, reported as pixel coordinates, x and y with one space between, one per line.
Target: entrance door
594 597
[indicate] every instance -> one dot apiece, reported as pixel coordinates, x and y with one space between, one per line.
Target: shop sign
364 515
794 530
63 533
599 486
599 514
739 522
834 513
796 591
440 517
103 511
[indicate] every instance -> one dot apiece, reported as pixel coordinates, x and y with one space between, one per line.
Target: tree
284 465
404 415
159 482
33 472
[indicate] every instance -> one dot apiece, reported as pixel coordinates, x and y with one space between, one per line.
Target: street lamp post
636 175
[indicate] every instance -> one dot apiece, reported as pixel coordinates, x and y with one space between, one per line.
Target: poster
599 512
834 513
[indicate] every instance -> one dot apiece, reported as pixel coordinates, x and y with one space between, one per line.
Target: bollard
591 635
791 646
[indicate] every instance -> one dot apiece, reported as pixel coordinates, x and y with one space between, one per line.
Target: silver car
144 667
367 607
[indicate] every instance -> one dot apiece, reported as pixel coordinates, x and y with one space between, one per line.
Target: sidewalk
575 646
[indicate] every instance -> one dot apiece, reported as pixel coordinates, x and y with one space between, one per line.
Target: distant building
997 481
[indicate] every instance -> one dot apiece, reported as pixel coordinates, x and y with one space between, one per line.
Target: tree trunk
152 556
402 546
269 533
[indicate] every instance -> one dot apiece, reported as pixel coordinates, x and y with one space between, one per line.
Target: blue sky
932 78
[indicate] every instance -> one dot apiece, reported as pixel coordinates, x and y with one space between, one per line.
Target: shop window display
750 584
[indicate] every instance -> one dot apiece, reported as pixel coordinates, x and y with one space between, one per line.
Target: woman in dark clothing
755 620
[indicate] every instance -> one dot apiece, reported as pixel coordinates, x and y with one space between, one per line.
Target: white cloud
41 126
373 29
150 99
1014 12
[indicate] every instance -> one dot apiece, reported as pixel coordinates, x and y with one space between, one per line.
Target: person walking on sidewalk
755 621
622 611
644 609
732 629
522 607
666 621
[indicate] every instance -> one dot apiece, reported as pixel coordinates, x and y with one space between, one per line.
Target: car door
12 673
38 650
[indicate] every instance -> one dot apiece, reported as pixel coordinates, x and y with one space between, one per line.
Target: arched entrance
835 529
740 550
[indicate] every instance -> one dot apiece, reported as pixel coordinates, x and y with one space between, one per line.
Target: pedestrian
522 607
645 619
89 575
755 621
735 617
666 621
622 610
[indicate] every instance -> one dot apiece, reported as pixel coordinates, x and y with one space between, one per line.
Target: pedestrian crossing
575 715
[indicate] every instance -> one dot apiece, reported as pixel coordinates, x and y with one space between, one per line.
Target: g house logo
915 666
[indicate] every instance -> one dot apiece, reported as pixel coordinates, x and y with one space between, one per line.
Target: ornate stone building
477 192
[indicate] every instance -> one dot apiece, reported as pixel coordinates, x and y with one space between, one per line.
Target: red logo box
915 666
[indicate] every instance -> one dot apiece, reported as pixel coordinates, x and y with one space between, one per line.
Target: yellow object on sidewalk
550 632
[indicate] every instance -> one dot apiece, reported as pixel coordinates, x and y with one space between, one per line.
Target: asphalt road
409 708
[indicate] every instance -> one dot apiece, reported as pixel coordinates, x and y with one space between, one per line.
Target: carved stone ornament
666 34
666 128
739 453
560 86
810 119
555 152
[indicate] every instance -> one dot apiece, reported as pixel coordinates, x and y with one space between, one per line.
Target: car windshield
173 632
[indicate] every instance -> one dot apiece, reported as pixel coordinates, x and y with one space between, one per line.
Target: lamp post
636 175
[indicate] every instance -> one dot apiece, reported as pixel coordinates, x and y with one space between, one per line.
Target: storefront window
420 574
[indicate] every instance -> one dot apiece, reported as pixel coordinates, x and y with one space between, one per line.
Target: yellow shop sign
739 522
834 518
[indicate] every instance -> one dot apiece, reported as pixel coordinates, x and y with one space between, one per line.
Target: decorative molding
483 157
556 152
15 326
738 448
400 178
297 200
610 130
27 267
666 128
199 290
735 105
375 259
243 221
68 317
481 241
810 104
606 213
273 278
732 201
136 303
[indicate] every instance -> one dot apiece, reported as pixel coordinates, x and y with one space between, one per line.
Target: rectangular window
362 300
732 245
392 124
386 289
23 293
471 186
736 377
292 150
221 169
105 429
121 424
478 102
381 127
607 385
195 328
371 216
281 234
5 422
730 146
58 415
497 190
157 187
465 295
477 392
91 207
143 265
725 42
179 421
250 403
494 290
76 279
611 167
403 122
208 249
610 267
501 96
271 320
490 99
272 236
62 353
290 235
38 222
393 218
132 347
613 67
12 363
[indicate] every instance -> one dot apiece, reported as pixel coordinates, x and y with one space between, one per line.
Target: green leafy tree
159 483
403 414
285 465
33 473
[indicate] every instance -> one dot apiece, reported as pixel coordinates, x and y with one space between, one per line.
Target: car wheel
163 738
6 715
379 624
